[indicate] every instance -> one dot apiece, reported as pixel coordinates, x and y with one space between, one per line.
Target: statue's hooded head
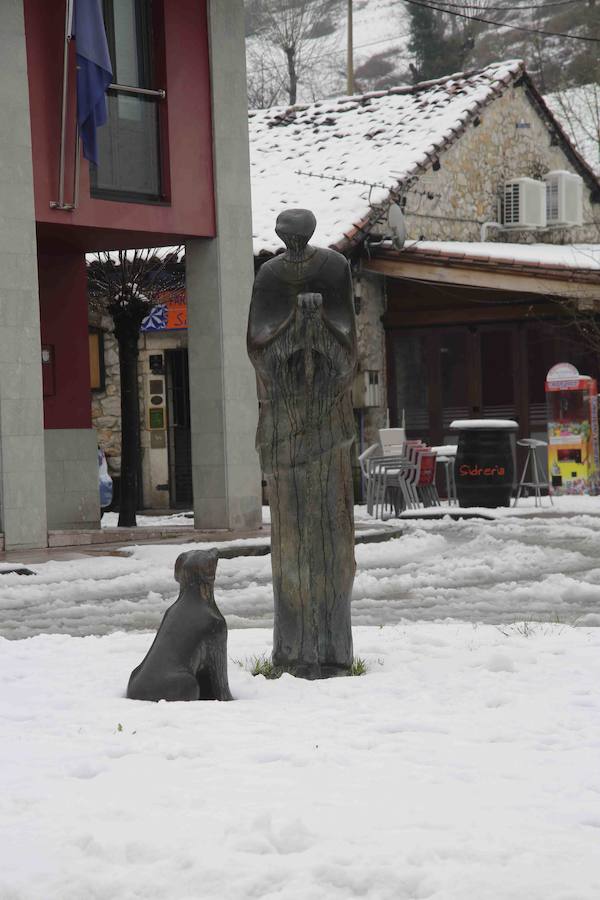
295 227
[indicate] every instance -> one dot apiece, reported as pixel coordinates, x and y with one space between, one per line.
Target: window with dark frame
97 369
129 166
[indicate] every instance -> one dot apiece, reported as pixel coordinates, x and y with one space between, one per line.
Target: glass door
180 435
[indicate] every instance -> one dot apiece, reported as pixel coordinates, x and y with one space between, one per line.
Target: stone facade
106 404
371 351
467 186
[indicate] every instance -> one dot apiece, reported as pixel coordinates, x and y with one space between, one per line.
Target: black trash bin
484 468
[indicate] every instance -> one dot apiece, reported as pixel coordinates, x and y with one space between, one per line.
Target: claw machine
572 407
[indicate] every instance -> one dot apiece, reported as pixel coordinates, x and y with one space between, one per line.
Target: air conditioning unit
524 203
564 198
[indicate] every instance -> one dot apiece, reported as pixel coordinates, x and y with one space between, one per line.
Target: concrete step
141 534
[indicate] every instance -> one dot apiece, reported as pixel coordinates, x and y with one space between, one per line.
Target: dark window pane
453 369
412 381
127 56
128 145
497 384
542 354
128 148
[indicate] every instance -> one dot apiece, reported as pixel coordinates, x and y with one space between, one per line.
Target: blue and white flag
156 320
94 72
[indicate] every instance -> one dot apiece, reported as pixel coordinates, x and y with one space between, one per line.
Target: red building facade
154 186
184 208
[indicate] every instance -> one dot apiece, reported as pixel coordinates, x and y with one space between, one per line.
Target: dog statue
188 657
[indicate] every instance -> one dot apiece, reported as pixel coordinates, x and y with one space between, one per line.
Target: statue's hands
310 305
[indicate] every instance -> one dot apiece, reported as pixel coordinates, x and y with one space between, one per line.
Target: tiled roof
564 261
384 136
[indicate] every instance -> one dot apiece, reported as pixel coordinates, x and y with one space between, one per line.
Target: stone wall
468 184
106 404
371 348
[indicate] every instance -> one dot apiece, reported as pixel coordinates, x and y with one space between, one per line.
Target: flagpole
63 122
76 178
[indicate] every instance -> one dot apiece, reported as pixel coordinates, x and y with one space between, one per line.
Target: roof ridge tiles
513 67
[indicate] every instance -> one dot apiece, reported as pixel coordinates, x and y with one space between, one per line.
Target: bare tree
264 90
286 30
578 110
127 285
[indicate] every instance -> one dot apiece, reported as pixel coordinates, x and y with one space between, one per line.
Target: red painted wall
99 224
64 315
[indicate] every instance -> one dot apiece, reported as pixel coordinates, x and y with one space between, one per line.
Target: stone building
457 320
466 307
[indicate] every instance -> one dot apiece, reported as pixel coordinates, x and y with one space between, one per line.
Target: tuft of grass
533 627
359 666
263 665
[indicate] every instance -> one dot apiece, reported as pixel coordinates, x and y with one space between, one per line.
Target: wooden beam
503 281
397 317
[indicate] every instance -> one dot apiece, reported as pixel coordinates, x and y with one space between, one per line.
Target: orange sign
169 314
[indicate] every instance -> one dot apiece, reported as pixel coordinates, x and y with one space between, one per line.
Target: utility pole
349 62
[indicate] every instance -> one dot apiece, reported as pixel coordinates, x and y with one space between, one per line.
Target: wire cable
448 12
493 8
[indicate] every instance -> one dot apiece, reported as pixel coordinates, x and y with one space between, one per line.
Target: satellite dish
397 226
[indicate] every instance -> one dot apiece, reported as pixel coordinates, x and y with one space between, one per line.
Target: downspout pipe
484 228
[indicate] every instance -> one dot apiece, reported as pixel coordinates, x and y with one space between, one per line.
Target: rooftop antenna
397 226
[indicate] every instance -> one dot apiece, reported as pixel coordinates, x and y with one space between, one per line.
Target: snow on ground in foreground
512 568
463 766
565 505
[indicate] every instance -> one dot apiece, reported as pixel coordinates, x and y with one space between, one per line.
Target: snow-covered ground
476 570
462 766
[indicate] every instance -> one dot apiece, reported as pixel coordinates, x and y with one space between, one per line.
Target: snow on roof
384 136
555 256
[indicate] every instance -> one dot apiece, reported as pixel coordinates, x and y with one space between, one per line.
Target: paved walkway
118 538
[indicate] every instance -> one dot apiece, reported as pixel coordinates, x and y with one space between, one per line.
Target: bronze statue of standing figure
302 343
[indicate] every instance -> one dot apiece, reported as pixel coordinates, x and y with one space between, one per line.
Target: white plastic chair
392 441
385 482
363 459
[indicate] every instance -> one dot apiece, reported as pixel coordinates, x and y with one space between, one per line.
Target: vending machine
572 406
